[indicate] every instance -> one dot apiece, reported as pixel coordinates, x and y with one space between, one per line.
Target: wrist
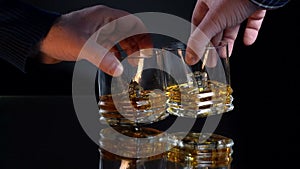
48 46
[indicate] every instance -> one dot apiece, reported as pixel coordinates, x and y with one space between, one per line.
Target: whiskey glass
199 151
137 96
202 89
123 147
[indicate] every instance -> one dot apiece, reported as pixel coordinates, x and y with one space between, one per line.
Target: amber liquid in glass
208 97
133 106
118 152
192 153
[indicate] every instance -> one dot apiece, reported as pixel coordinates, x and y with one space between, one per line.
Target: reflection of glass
128 148
137 96
199 151
202 89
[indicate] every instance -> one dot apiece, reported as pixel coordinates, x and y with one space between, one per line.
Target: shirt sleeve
22 27
270 4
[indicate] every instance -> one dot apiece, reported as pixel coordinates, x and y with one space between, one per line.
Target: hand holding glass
137 96
202 89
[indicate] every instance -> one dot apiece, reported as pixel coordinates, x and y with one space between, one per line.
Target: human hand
214 21
69 36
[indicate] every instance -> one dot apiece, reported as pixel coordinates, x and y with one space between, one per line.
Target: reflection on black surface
43 132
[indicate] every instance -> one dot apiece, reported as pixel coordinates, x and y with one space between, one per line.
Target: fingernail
190 59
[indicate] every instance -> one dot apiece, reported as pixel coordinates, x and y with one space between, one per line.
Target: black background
39 129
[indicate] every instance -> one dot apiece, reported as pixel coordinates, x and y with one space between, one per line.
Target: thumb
101 58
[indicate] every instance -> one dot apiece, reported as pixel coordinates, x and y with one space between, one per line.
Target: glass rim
175 45
220 44
145 53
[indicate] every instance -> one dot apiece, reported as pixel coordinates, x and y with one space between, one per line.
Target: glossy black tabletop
44 132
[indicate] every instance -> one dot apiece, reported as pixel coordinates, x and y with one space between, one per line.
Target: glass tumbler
132 148
199 151
201 89
138 95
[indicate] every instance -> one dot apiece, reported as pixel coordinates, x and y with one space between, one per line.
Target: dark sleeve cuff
22 27
270 4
